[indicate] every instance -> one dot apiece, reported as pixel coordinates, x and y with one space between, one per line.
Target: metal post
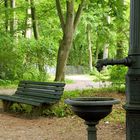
91 129
132 105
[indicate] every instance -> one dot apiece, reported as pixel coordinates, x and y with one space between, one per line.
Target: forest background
36 34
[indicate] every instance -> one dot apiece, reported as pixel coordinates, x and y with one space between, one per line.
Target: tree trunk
40 63
12 18
65 43
6 15
105 52
28 22
68 25
34 20
119 51
63 54
97 52
89 46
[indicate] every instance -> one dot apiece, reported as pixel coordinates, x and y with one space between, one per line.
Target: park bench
33 93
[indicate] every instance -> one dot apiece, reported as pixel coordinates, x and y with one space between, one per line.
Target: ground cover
16 127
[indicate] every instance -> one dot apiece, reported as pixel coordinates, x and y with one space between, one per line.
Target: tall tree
40 59
89 46
6 15
28 21
34 20
69 22
12 18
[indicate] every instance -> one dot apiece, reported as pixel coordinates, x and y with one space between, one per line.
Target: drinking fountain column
132 105
92 130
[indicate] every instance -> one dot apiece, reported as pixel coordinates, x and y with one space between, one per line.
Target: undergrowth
62 110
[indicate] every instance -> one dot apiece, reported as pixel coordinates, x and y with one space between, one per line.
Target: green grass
11 86
8 84
117 115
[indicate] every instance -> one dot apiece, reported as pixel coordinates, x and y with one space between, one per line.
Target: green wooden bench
33 93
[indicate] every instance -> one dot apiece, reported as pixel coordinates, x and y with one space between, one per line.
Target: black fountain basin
92 109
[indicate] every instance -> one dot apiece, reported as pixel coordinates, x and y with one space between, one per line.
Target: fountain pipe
92 130
104 62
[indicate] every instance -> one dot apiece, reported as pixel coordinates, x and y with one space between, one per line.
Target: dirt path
70 128
13 127
82 82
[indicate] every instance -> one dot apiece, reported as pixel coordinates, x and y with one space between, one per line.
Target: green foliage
109 22
24 108
10 59
5 82
58 110
61 109
20 57
100 76
117 115
15 107
118 73
19 60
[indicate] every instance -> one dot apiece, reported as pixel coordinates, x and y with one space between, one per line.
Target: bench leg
6 105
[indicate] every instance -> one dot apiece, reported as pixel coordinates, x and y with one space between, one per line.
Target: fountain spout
104 62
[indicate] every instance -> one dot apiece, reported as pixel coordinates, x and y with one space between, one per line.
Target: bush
24 108
61 109
100 76
25 59
117 73
58 110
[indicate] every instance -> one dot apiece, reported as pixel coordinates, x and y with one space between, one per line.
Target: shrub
61 109
24 108
117 74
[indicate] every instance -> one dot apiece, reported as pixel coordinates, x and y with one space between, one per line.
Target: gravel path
83 82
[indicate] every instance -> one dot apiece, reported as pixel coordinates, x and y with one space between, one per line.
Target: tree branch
78 14
70 13
60 14
34 20
69 19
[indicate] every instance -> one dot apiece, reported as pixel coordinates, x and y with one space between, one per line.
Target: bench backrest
41 90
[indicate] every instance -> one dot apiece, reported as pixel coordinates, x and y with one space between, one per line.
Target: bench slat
27 98
43 83
50 92
39 94
41 99
19 100
54 88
